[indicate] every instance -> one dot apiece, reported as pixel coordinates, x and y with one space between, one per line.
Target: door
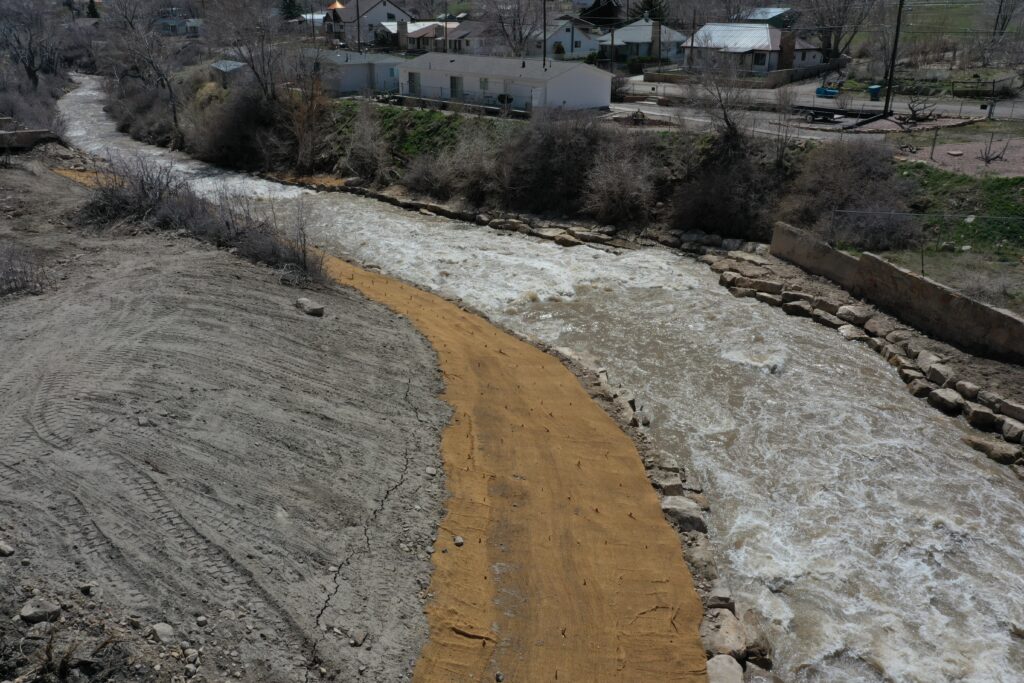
414 84
456 87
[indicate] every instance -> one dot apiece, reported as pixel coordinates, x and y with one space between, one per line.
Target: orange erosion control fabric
568 571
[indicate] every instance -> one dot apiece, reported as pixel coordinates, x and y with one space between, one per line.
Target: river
879 546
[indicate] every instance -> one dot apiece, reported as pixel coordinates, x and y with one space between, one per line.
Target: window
567 29
803 56
576 44
484 84
467 42
391 16
760 59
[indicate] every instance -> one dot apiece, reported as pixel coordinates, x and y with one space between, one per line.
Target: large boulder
940 374
853 333
799 308
920 388
724 669
1013 431
855 314
946 400
684 513
968 390
1000 451
827 319
669 483
722 634
879 326
1012 409
309 307
978 416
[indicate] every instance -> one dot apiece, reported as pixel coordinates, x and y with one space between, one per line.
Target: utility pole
887 109
358 27
611 56
999 16
544 33
446 25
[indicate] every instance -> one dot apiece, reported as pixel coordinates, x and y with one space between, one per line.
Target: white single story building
522 84
757 48
344 72
641 39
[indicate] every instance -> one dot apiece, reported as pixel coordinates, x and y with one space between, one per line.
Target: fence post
935 138
961 108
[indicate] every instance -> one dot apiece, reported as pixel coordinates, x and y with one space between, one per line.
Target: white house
522 84
344 72
567 38
348 25
644 38
757 48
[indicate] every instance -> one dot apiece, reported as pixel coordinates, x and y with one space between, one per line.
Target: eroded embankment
554 561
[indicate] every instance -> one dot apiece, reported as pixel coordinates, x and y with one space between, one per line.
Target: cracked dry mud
178 433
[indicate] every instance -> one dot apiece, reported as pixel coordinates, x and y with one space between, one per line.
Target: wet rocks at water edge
724 669
684 513
979 416
999 451
798 308
853 333
946 400
722 634
855 315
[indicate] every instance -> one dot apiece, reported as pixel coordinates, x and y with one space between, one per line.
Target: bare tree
836 22
1001 13
719 94
307 108
27 36
254 39
989 151
785 98
139 49
517 21
921 105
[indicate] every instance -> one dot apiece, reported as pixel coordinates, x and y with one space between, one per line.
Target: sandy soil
554 561
182 445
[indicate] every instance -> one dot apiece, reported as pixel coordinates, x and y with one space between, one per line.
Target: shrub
234 128
547 161
620 185
20 270
367 154
859 177
138 189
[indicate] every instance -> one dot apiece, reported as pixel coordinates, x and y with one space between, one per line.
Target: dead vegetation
138 189
21 270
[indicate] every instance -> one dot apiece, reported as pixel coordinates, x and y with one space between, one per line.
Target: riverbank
195 466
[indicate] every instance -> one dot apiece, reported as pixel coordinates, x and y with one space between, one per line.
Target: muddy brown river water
879 546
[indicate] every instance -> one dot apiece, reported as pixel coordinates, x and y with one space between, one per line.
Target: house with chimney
567 37
359 22
752 48
516 84
643 38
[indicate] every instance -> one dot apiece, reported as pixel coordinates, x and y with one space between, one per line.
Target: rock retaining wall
927 305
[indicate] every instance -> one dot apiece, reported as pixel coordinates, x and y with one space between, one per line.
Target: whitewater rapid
879 546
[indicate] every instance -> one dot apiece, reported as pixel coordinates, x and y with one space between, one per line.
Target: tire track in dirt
567 569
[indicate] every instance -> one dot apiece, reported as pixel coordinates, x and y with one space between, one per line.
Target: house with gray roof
779 17
644 38
502 82
751 48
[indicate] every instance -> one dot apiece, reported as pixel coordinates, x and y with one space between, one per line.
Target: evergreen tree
290 9
656 10
91 11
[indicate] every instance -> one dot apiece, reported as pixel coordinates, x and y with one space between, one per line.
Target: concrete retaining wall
925 304
814 256
24 139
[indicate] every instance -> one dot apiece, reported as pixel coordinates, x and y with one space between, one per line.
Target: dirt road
192 449
553 561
